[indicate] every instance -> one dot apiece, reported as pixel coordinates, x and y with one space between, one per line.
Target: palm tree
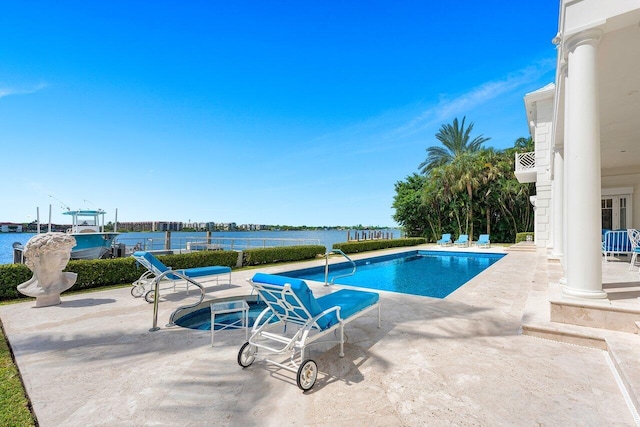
455 139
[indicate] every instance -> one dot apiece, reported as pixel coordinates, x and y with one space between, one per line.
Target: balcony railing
526 167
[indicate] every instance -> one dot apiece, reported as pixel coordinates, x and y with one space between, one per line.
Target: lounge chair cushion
205 271
349 301
189 272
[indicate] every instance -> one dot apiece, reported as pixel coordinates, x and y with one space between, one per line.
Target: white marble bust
47 255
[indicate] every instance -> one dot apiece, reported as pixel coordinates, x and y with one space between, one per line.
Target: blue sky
297 113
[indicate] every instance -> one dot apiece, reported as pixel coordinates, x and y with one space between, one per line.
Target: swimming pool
427 273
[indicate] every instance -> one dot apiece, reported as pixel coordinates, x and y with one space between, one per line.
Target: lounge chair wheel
307 374
148 297
247 354
137 291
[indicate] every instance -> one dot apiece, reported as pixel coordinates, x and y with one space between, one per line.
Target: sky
254 112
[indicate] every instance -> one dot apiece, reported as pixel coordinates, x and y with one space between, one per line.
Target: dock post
167 240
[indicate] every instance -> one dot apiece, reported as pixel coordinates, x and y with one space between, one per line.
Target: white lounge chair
616 242
156 269
634 238
295 319
445 241
483 241
463 240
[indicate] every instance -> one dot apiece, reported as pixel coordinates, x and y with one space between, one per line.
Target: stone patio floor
461 360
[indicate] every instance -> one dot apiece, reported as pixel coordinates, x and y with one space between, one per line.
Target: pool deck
462 360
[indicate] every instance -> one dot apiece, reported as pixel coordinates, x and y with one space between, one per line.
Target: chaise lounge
295 319
156 269
483 241
445 241
616 242
463 241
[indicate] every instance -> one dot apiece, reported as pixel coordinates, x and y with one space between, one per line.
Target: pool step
522 247
622 348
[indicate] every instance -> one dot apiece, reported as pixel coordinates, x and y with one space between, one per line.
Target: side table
236 306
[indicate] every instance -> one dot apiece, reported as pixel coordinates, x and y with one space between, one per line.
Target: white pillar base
557 256
582 293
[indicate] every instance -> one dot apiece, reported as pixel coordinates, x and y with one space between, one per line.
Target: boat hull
92 245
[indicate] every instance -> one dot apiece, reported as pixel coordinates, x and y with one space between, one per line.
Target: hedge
522 237
281 254
372 245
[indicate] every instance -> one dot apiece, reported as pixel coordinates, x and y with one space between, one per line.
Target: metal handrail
326 267
156 296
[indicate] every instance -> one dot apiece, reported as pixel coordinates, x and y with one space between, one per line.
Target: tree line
465 188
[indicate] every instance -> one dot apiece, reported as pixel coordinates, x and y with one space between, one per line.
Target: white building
586 127
10 227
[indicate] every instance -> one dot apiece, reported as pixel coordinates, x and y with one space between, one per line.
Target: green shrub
372 245
281 254
11 275
522 237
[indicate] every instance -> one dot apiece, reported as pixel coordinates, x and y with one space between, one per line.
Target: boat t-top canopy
89 223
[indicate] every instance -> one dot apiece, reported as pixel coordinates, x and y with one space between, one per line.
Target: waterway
225 239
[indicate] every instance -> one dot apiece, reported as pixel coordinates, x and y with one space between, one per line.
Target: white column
558 202
582 170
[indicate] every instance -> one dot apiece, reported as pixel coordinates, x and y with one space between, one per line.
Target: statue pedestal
47 300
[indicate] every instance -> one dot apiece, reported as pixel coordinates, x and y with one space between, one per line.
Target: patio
458 361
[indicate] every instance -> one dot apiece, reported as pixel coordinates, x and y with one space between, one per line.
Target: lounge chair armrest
329 310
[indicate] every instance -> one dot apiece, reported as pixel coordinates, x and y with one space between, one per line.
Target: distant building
167 226
10 227
135 226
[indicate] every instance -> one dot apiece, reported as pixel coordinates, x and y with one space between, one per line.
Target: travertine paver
457 361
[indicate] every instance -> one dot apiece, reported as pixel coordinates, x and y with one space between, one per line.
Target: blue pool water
426 273
201 319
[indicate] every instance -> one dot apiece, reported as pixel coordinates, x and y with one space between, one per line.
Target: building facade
587 139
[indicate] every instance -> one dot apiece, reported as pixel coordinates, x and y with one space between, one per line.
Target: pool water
201 319
427 273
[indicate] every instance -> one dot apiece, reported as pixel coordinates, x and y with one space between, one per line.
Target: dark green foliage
455 140
281 254
466 189
104 272
411 212
372 245
11 275
522 237
200 259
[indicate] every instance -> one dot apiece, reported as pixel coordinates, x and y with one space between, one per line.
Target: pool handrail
156 297
326 267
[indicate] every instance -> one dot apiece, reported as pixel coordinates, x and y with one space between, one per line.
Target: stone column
558 202
582 170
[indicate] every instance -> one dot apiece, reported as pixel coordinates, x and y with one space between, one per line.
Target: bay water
226 239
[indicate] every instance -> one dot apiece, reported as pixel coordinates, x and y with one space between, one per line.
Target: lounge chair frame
145 285
462 241
616 242
483 241
269 331
634 238
445 240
